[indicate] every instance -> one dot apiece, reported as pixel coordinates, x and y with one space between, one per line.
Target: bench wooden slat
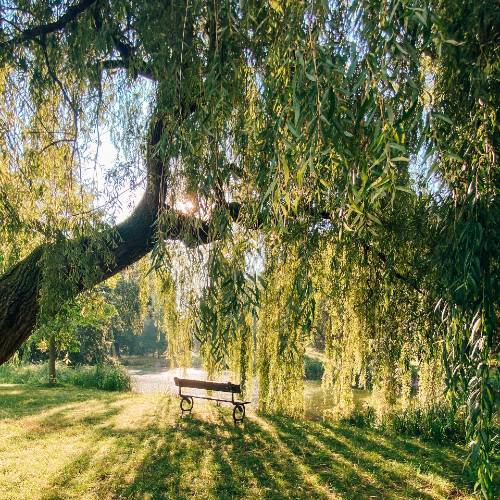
208 385
217 399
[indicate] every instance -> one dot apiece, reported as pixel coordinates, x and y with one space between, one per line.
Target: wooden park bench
187 399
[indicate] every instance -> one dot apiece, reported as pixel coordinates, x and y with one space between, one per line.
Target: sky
117 205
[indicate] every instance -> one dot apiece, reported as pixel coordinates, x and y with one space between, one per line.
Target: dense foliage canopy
340 158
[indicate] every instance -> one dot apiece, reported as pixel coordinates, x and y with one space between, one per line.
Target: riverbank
150 374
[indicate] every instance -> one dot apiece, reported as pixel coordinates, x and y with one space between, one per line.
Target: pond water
153 375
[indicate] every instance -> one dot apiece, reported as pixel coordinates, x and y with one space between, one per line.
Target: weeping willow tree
356 140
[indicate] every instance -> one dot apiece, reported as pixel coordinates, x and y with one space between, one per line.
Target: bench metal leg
186 404
238 412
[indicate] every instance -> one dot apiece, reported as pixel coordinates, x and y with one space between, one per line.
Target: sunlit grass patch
68 442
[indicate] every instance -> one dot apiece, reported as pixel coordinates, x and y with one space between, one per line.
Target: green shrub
104 377
14 373
314 368
437 423
361 417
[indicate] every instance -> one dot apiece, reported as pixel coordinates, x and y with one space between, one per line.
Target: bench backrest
207 385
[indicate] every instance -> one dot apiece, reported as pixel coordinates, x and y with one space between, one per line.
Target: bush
104 377
361 417
14 373
313 368
437 423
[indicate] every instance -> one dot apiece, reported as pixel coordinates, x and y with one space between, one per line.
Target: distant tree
79 331
130 303
153 340
93 345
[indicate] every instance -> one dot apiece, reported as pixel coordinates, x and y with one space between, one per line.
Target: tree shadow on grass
211 459
267 457
284 470
135 447
382 465
19 400
429 456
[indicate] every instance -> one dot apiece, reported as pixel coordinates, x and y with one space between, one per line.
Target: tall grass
104 377
438 423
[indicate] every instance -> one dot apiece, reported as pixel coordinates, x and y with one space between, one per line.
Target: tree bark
18 303
52 359
36 32
19 287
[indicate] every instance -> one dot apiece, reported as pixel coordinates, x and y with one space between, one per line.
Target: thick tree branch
139 70
127 243
234 210
128 53
130 60
45 29
408 280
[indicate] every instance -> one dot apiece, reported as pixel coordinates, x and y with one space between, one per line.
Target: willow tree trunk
19 303
20 287
52 360
127 243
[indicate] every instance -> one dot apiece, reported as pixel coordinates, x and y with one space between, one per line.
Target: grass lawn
69 442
